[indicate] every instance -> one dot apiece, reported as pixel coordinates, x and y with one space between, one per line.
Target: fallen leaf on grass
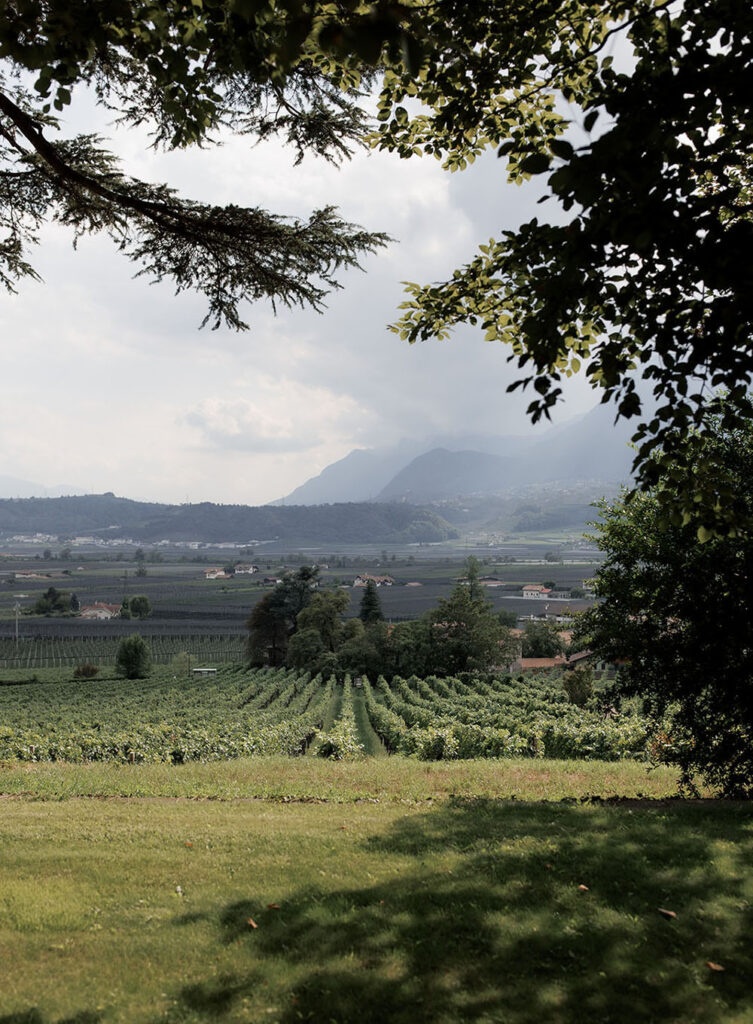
583 888
273 906
252 923
714 967
189 844
667 913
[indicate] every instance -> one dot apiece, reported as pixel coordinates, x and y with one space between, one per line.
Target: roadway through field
372 745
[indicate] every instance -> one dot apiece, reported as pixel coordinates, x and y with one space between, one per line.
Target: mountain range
587 448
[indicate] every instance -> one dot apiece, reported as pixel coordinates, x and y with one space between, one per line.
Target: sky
110 385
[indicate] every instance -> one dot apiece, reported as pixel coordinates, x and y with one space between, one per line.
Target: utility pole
17 610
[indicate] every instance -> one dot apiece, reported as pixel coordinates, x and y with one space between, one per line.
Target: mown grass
456 910
386 779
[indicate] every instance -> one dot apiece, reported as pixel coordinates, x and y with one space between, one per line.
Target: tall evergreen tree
371 606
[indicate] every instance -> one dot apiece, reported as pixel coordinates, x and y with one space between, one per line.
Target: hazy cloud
115 388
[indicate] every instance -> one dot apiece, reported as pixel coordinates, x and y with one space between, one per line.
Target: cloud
115 388
284 416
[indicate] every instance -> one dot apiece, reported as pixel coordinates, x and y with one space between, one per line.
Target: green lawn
392 901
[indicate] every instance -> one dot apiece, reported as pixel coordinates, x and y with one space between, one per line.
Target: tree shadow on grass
484 919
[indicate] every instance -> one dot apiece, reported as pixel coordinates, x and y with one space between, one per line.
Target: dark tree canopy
134 658
677 614
638 115
186 71
541 640
273 620
371 607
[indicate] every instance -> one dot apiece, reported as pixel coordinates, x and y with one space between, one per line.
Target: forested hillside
109 516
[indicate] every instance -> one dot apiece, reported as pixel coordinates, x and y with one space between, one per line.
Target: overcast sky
111 386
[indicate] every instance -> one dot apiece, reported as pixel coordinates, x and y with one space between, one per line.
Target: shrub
85 671
134 659
578 684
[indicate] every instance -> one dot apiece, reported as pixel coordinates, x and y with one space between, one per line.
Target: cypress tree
371 606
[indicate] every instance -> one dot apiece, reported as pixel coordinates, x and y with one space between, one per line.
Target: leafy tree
472 573
274 619
541 640
677 614
133 659
371 606
409 649
305 650
641 269
507 618
138 555
75 605
125 609
255 69
323 613
578 684
140 606
465 634
52 602
141 570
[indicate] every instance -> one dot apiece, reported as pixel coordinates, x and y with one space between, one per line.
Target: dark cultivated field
185 603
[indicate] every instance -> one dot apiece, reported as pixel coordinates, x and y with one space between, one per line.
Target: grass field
372 895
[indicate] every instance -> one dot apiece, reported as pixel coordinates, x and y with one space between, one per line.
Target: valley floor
386 890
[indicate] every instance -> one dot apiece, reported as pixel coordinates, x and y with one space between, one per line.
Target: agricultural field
525 863
185 604
52 650
178 716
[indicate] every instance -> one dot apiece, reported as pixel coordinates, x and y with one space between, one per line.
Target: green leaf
536 163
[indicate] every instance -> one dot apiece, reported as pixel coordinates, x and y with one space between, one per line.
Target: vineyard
67 651
178 717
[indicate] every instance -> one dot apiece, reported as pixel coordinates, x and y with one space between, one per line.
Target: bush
578 684
134 659
85 671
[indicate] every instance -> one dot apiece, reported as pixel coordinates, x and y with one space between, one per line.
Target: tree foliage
371 606
465 633
678 616
140 606
53 602
274 619
541 640
133 659
186 72
637 115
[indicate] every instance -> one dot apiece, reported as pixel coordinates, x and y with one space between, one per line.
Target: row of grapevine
177 716
439 719
341 741
163 718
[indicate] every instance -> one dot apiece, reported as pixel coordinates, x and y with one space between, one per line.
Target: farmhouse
536 590
245 570
100 610
381 581
215 574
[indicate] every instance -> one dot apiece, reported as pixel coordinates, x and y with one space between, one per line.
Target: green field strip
372 745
